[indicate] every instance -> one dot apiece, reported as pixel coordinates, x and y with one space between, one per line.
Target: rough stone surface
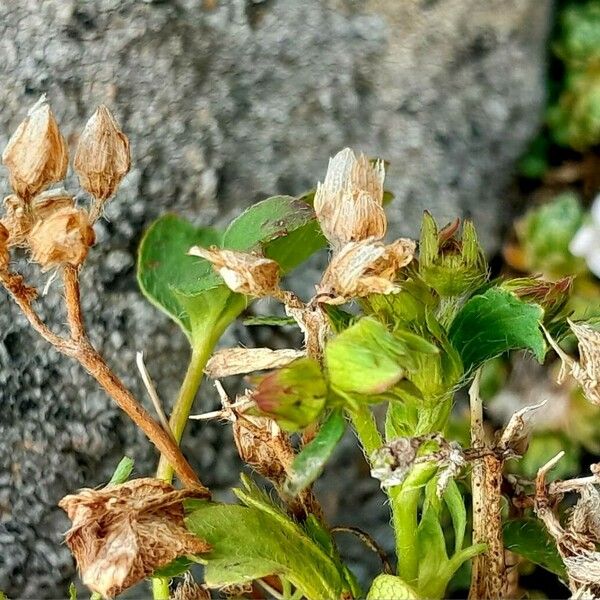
224 106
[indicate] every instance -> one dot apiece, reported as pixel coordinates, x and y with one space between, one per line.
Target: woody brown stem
73 302
80 348
488 579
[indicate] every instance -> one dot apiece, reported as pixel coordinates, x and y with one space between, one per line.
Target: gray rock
225 106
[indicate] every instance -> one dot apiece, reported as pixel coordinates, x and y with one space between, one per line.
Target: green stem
201 352
365 427
160 588
404 502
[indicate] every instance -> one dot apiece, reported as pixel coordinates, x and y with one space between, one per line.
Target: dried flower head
587 371
62 237
349 202
188 589
18 220
123 533
36 155
102 158
263 446
4 252
363 268
244 273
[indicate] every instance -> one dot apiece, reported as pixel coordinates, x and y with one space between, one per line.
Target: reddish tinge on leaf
102 158
36 155
123 533
63 237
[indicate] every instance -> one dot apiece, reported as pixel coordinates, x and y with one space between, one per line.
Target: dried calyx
120 534
586 371
36 155
102 157
243 272
48 223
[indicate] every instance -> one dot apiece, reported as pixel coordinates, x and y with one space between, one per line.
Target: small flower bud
242 272
349 202
63 237
102 158
4 253
363 268
36 155
294 395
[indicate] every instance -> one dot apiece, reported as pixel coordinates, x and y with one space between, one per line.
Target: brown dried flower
244 273
102 158
349 202
123 533
587 371
36 155
4 253
17 219
188 589
62 237
363 268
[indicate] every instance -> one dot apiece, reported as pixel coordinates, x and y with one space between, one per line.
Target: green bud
450 264
552 296
366 358
294 395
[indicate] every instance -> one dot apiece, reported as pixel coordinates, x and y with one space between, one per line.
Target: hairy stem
366 429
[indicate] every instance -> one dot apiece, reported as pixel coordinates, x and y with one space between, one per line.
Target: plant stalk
185 399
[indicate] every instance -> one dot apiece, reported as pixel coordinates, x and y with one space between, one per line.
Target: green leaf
72 592
458 513
250 543
283 227
272 321
123 471
492 323
309 463
529 538
390 587
177 567
164 269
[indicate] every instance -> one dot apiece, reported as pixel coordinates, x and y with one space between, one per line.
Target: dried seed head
242 272
348 203
18 220
4 252
123 533
188 589
102 158
587 371
263 446
63 237
36 155
363 268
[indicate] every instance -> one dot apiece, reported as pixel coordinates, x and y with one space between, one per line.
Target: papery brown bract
102 157
244 273
363 268
123 533
36 155
349 202
63 237
18 220
4 252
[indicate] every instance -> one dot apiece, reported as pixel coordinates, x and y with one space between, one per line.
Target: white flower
586 242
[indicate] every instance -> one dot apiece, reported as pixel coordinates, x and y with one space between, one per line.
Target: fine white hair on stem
151 389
